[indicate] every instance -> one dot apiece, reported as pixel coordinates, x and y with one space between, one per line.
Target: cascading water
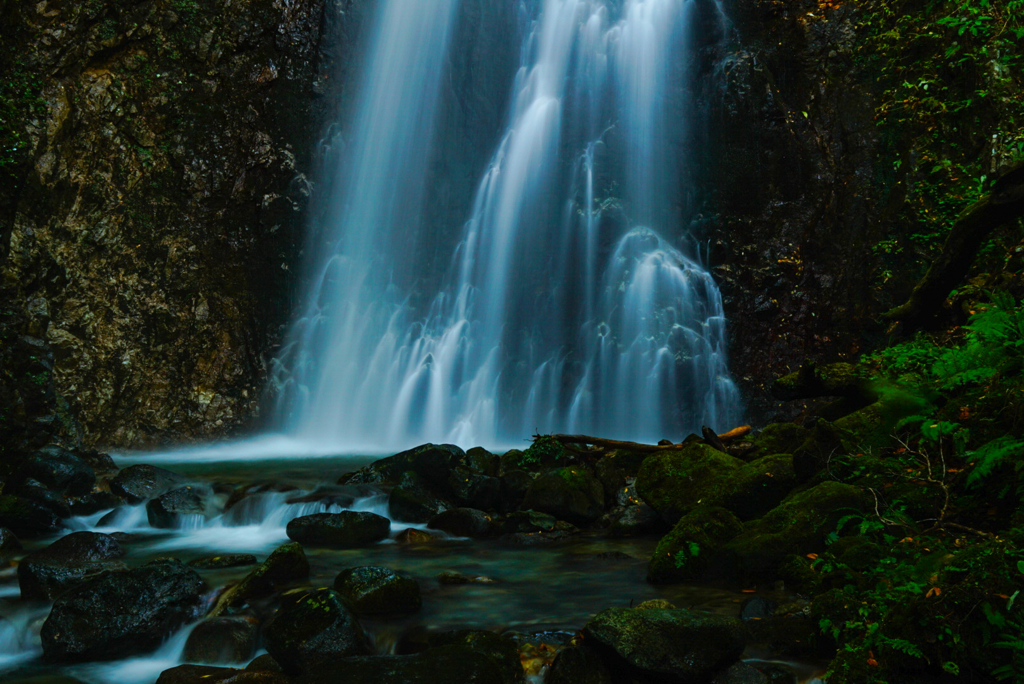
567 307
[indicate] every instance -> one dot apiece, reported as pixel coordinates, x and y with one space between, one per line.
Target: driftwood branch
1002 205
573 442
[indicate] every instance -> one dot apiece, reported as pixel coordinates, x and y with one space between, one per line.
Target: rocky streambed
433 565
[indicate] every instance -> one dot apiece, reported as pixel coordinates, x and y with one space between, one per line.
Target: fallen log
603 444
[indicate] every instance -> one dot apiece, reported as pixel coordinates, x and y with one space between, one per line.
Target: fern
993 455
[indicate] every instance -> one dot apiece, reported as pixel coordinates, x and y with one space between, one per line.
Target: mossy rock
780 438
675 482
682 554
287 563
682 646
796 526
760 486
431 462
571 493
871 428
316 630
823 443
374 590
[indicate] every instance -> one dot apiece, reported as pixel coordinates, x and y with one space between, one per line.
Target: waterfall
568 302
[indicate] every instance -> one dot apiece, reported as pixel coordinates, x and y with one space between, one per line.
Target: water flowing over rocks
66 563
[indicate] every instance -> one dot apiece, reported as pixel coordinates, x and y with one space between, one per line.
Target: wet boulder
514 485
635 520
528 522
615 470
9 544
678 646
578 665
431 462
139 482
411 535
318 629
677 481
441 665
482 461
761 486
222 640
414 505
288 563
682 554
571 493
26 518
375 590
474 490
169 510
500 650
122 613
796 526
463 522
57 469
68 562
208 674
226 561
345 530
36 491
95 501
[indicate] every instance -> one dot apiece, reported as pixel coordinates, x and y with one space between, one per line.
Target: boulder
823 442
317 630
122 613
678 646
264 663
615 469
431 462
740 673
57 469
761 486
675 482
571 493
482 461
222 640
345 530
414 505
207 674
780 438
514 484
9 544
475 490
26 518
227 561
46 574
528 522
95 501
287 563
342 496
441 665
139 482
682 555
36 491
463 522
635 520
411 535
578 665
169 510
796 526
375 590
500 650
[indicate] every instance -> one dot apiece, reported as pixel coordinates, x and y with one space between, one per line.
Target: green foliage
949 104
545 450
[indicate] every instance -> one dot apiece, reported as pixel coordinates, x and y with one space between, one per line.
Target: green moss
780 438
675 482
682 554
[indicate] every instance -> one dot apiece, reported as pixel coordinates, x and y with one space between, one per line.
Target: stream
547 591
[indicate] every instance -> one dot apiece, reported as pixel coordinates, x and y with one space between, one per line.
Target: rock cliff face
153 206
792 206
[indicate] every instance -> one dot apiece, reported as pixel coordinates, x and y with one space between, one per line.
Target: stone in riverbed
431 462
80 556
635 521
222 640
514 485
441 665
414 505
286 564
26 518
169 509
673 646
411 535
122 613
463 522
452 577
475 490
500 650
375 590
683 553
578 665
36 491
207 674
318 629
57 469
571 493
142 481
9 544
345 530
218 562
